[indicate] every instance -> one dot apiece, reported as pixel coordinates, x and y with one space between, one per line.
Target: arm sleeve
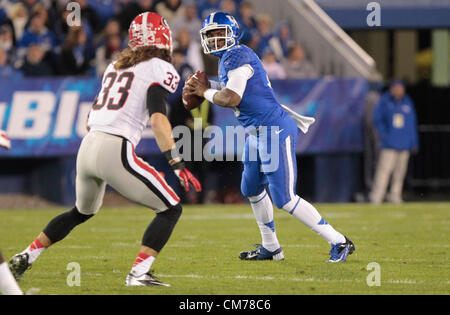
237 79
157 99
216 85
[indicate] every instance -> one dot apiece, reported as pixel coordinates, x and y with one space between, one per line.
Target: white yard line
250 216
294 279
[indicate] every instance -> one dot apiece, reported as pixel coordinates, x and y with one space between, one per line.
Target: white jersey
120 107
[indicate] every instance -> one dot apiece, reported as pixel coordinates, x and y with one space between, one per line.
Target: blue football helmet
219 21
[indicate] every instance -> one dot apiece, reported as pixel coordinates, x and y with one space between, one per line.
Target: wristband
209 94
175 161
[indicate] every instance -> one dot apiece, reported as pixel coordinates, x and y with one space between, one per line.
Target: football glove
183 174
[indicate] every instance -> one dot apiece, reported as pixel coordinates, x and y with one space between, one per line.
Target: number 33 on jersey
120 107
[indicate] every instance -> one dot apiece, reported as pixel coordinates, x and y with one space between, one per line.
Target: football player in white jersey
8 285
134 90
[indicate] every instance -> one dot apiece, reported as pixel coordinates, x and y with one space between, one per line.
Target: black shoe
18 265
260 253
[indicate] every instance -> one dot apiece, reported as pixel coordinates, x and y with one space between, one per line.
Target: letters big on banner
47 117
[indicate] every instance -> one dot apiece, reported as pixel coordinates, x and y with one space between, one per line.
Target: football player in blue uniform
244 87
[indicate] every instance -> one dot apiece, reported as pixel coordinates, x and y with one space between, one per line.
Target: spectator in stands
112 28
273 68
296 65
37 33
106 9
35 64
30 4
18 18
107 52
6 70
108 44
131 10
396 124
119 5
208 7
60 26
247 22
75 56
189 21
170 9
90 16
3 16
179 62
7 40
229 6
191 49
281 40
262 37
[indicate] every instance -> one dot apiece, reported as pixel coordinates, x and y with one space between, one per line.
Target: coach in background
396 124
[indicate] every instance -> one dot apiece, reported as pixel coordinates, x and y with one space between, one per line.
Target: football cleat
145 280
340 251
260 253
18 265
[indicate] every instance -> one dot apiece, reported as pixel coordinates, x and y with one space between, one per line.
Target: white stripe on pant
100 161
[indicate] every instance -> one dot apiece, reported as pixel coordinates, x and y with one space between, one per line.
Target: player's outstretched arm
163 131
156 105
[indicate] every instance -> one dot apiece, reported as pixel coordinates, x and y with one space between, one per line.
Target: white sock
263 210
34 250
308 215
142 264
8 285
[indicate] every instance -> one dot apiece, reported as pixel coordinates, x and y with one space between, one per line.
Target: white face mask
210 44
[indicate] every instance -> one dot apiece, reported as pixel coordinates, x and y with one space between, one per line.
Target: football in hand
194 101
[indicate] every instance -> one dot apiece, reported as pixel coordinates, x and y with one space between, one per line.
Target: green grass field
410 242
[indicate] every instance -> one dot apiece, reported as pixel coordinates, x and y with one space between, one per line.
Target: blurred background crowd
35 39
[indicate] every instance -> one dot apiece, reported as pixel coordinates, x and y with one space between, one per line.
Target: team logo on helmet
150 29
217 44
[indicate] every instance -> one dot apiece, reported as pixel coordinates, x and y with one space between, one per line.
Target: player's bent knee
88 210
158 232
278 202
251 192
173 213
81 216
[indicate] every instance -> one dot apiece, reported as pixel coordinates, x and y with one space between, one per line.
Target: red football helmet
150 29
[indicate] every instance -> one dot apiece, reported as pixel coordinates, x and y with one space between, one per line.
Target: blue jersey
259 106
